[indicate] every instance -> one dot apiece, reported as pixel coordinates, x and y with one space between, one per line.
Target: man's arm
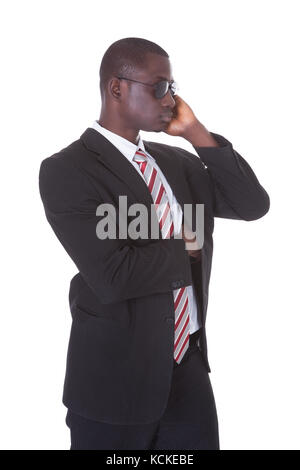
114 269
236 190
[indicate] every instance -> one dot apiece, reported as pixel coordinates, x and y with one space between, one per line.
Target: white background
236 64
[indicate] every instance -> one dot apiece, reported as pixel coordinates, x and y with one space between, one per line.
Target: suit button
169 319
176 284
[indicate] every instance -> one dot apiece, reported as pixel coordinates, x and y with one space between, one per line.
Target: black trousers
189 422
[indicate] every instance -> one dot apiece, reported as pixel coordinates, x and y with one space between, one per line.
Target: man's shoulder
60 172
64 156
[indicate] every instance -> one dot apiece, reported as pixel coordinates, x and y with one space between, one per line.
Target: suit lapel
107 154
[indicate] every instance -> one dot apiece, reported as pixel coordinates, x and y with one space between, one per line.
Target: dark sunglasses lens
162 89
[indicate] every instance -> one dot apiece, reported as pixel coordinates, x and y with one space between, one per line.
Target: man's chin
164 126
160 129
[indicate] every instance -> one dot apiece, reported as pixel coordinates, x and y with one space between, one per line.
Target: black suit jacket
120 353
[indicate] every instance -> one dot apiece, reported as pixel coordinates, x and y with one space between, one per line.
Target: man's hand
190 238
183 118
185 124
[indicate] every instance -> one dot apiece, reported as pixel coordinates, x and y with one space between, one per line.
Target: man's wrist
199 136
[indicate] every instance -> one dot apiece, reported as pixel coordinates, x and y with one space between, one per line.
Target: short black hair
124 57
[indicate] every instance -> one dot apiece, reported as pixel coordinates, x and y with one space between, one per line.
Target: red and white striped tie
181 304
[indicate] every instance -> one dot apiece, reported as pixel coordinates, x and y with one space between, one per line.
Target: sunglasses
161 88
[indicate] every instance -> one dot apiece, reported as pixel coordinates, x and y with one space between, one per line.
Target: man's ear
114 88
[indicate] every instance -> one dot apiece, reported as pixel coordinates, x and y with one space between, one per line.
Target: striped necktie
163 211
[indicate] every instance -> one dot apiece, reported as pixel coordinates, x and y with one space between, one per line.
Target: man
137 366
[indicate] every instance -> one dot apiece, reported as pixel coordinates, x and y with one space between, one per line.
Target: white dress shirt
128 149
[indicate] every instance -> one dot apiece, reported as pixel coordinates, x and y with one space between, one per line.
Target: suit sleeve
115 269
237 193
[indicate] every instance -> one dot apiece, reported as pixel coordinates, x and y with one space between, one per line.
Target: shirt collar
127 148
